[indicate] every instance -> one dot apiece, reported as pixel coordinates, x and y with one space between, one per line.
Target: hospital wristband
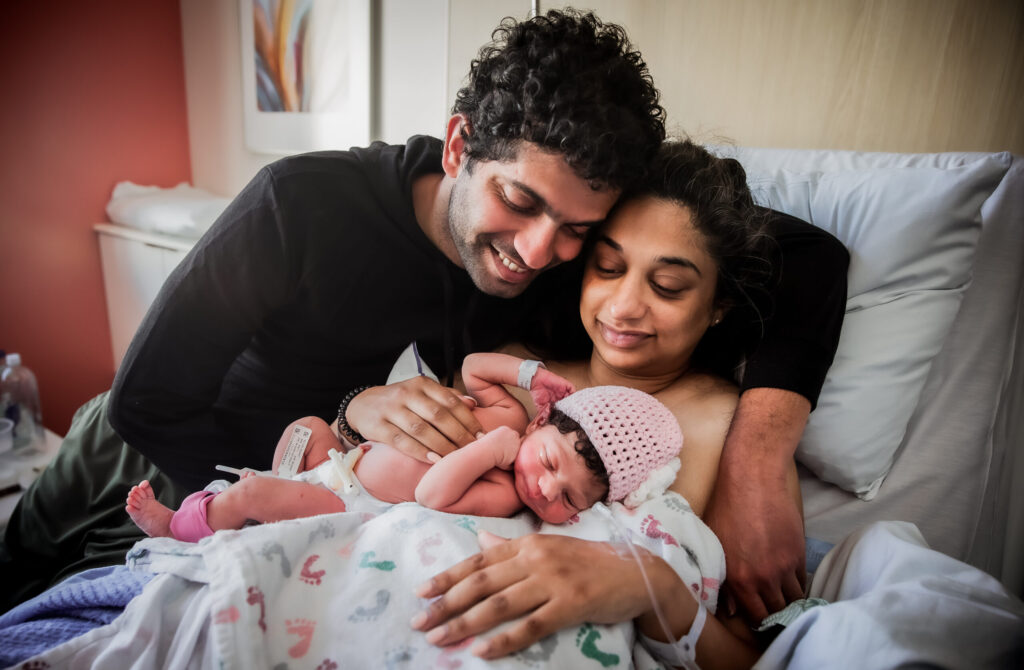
527 371
684 652
345 430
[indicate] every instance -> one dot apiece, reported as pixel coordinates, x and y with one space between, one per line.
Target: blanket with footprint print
336 591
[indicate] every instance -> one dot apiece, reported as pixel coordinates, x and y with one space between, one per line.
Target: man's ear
453 156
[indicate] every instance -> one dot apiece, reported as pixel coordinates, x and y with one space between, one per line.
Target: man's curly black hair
567 82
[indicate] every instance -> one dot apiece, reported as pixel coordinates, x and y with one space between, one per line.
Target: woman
668 280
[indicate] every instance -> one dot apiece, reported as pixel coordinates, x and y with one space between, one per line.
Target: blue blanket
75 606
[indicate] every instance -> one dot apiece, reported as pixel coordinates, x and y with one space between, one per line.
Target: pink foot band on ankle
189 523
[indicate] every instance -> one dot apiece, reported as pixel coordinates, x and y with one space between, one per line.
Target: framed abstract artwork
305 74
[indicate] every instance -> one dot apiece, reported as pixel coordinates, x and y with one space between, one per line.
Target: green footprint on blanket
371 613
270 549
467 523
587 639
365 562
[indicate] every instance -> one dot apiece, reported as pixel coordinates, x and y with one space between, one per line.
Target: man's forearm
765 432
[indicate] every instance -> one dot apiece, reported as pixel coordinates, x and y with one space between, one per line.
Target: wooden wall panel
874 75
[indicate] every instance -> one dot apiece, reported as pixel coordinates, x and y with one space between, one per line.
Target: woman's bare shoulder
700 393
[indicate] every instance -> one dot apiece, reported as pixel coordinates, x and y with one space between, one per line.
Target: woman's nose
626 302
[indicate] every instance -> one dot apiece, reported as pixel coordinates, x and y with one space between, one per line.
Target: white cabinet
135 265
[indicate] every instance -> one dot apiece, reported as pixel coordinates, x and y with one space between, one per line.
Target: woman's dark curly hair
569 83
734 229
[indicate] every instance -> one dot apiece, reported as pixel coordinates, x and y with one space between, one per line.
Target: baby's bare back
388 474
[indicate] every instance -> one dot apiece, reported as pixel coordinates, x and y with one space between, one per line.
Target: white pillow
183 210
911 233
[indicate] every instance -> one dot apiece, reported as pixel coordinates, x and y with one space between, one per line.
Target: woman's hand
549 582
417 416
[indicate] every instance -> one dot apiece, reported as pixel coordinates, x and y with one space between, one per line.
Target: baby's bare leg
267 499
148 513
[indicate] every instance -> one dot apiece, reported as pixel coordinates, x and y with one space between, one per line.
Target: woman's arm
551 582
457 482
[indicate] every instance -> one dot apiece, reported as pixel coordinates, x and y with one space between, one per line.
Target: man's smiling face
511 220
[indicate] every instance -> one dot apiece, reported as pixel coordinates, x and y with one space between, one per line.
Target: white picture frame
305 74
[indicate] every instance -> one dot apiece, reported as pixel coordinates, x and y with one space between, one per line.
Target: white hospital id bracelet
684 652
527 370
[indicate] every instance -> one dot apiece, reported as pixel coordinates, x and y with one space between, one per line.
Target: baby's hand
507 441
548 388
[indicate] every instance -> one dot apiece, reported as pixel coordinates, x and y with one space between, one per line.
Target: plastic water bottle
19 397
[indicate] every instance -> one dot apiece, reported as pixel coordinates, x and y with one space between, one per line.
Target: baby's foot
148 513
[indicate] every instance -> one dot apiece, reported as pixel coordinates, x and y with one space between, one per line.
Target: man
327 265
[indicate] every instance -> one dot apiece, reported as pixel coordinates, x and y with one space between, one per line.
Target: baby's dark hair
584 447
569 83
723 210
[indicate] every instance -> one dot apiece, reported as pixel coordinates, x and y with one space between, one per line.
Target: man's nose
535 243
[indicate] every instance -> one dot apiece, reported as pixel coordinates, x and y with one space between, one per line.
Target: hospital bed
907 466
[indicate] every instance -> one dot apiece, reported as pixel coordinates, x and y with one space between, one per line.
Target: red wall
93 94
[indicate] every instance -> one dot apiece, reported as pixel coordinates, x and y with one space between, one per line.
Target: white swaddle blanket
337 591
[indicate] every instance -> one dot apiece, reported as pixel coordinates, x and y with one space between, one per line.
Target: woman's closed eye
668 284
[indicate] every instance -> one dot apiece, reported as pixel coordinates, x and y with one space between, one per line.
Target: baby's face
552 479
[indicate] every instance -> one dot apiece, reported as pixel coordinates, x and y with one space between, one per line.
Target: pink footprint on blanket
346 551
445 660
304 629
710 585
432 541
652 528
327 664
255 597
227 615
307 575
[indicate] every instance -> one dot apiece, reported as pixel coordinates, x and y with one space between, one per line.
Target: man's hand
754 508
761 530
417 416
549 582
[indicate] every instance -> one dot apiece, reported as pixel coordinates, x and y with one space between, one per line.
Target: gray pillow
911 233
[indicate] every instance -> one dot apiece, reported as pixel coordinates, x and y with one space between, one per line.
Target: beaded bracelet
346 430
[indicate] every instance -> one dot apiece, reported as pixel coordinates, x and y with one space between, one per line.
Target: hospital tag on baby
293 452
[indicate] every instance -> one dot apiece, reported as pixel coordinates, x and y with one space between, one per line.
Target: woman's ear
717 314
453 155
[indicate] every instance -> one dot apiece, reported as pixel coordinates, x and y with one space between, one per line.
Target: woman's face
648 289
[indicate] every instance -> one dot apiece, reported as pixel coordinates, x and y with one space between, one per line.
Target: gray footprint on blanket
400 655
272 548
371 613
325 529
405 525
539 651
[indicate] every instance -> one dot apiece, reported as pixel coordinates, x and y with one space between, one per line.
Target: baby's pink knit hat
636 436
